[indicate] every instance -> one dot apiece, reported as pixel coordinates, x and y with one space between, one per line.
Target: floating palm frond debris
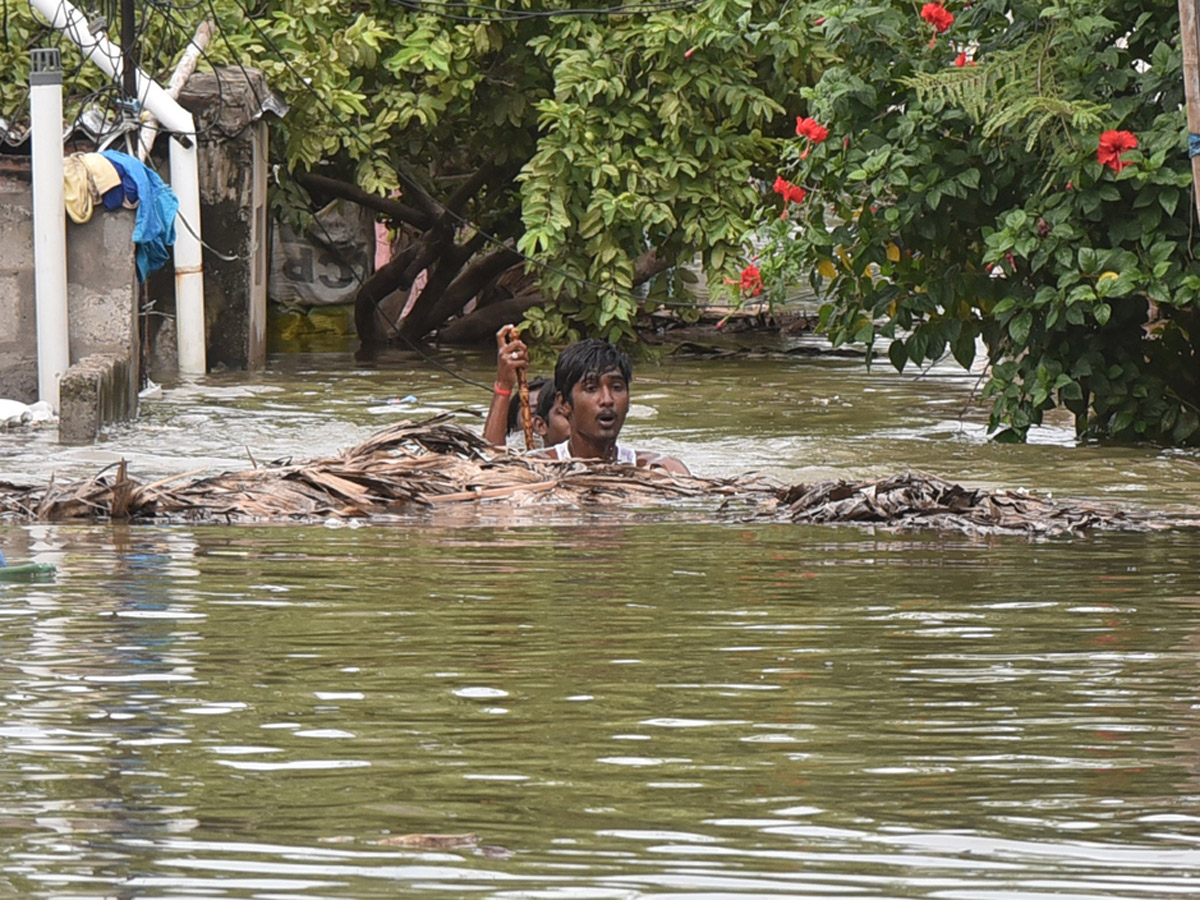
410 468
913 501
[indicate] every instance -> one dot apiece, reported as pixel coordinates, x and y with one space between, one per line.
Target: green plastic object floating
28 572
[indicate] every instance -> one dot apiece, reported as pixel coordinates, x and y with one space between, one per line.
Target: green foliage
649 138
621 133
955 204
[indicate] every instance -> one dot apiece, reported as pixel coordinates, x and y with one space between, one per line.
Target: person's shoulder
653 460
554 451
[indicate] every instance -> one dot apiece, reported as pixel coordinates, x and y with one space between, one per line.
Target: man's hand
512 356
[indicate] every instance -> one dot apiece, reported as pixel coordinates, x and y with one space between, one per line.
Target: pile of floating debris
410 468
914 501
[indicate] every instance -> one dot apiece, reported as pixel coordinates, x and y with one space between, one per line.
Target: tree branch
432 307
481 325
366 302
474 279
471 186
347 191
648 265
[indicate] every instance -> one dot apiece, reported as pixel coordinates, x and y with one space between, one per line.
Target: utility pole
129 61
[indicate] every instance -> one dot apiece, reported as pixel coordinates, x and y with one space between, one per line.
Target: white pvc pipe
49 231
185 179
190 338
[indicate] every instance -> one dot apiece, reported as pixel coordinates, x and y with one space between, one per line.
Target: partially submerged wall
228 105
101 293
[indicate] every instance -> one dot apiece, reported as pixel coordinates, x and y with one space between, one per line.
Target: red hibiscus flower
963 60
811 129
1112 145
752 284
937 16
792 193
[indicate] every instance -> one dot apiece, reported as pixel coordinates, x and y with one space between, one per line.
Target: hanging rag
126 195
106 179
76 196
88 179
104 175
154 229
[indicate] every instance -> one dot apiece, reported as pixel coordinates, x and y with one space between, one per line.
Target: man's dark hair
545 402
514 407
588 357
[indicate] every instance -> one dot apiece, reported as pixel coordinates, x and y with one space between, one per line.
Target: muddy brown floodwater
600 708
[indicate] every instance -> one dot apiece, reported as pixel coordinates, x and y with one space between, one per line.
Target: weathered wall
234 215
233 224
18 335
228 105
101 290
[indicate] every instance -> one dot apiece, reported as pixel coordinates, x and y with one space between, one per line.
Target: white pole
190 336
49 222
185 179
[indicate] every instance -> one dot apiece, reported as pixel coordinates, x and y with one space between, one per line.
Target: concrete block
96 391
20 379
10 306
16 231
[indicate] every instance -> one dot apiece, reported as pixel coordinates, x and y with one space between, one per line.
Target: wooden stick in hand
526 413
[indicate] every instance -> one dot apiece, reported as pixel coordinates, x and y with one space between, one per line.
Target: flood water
618 705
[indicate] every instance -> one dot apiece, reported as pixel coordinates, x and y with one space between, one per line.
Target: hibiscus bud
819 22
687 54
846 143
1012 261
1070 186
1043 227
988 268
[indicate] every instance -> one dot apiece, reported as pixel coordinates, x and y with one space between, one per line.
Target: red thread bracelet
501 391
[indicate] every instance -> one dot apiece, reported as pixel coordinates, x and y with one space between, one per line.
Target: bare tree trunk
455 273
1189 38
481 325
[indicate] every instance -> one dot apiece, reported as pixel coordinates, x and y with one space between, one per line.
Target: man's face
557 429
598 406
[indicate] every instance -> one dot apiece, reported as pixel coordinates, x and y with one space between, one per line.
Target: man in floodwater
591 383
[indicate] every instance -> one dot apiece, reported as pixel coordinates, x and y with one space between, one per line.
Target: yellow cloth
86 178
77 194
104 174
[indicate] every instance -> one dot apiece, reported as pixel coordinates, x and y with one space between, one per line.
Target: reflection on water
618 712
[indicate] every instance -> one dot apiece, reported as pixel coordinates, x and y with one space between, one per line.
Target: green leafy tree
594 151
594 146
968 190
